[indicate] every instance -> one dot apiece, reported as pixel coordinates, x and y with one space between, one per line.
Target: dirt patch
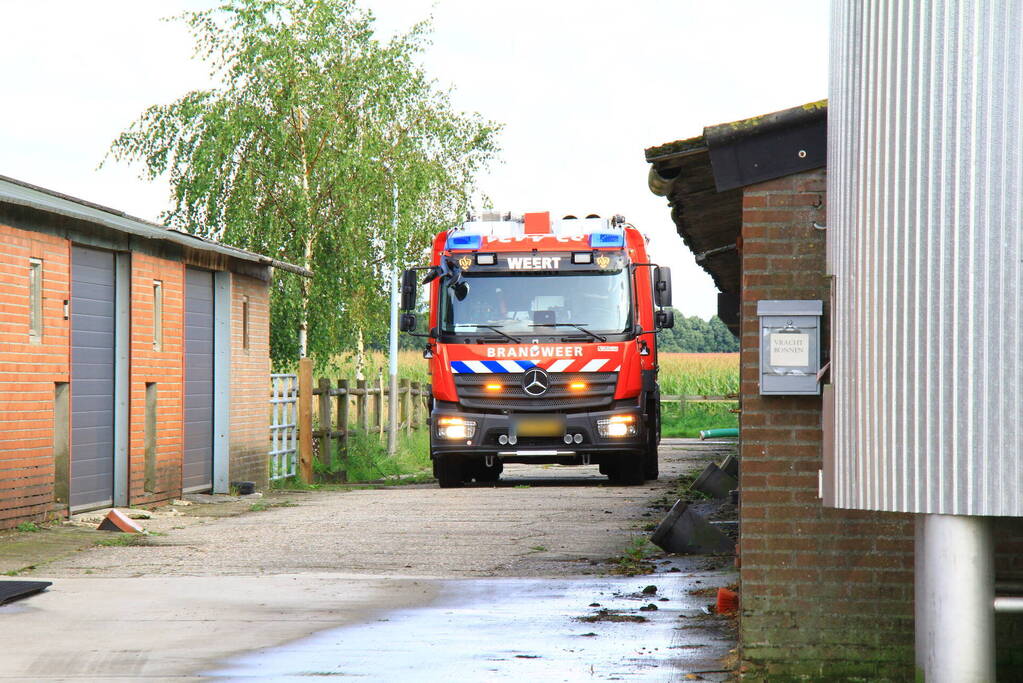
614 616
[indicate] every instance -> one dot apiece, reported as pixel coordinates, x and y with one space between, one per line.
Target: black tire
651 466
628 470
448 471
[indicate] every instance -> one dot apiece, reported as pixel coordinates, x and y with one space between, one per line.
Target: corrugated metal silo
925 223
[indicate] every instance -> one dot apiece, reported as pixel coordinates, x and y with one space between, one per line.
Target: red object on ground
728 601
118 521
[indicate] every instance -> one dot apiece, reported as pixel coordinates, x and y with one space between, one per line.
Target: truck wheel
628 470
651 468
448 471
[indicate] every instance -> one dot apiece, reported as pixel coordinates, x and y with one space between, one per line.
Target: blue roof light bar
607 239
456 241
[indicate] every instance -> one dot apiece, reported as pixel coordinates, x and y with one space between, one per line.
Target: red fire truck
542 346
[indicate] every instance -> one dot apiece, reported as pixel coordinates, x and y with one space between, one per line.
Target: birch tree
296 154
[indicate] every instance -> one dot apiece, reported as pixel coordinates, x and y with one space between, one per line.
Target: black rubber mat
15 590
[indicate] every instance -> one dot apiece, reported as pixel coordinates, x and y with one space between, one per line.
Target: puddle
517 630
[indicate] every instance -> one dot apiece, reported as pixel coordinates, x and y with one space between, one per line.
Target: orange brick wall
250 381
163 367
28 372
826 593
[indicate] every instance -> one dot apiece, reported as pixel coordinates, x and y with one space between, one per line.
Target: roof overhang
702 178
18 193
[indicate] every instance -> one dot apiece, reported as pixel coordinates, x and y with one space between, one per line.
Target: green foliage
696 416
28 527
695 335
323 147
367 458
634 559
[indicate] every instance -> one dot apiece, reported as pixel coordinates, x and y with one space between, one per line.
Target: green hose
718 433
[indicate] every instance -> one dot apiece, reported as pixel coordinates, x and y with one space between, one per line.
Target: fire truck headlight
455 428
617 426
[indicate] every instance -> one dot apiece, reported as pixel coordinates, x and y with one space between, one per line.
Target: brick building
826 593
134 360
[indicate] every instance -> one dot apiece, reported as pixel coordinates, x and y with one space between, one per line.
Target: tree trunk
360 355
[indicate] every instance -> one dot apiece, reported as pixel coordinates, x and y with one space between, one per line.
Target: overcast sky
582 86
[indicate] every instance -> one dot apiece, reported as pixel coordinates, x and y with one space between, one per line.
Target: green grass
367 461
264 505
635 558
121 540
696 416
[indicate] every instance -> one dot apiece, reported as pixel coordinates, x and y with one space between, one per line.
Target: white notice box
790 349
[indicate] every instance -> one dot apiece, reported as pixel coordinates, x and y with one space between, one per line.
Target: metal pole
921 619
1009 604
958 594
392 401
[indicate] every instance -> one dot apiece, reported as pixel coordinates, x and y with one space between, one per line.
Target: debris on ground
614 616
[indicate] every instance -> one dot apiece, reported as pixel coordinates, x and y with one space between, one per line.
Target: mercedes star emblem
535 382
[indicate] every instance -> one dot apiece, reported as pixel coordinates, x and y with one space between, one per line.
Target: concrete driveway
318 573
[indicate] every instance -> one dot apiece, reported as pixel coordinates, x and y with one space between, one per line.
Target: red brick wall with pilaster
162 366
28 372
250 380
825 593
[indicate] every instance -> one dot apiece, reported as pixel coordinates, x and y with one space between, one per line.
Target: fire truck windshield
524 303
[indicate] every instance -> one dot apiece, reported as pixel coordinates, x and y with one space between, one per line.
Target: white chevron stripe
594 365
559 365
477 366
510 365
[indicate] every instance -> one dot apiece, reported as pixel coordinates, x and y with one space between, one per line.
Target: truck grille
599 392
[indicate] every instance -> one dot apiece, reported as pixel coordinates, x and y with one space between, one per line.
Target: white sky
582 86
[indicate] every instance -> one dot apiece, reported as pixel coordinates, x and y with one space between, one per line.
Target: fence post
378 401
362 404
326 455
305 419
406 404
342 428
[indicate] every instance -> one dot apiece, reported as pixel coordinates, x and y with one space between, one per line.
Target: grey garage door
92 378
198 466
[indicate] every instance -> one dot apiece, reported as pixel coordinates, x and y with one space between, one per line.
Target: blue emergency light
607 239
464 241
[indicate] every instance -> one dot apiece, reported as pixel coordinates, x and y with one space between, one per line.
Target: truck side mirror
662 286
664 320
408 322
408 290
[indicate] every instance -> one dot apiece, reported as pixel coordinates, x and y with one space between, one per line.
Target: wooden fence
683 400
329 412
343 408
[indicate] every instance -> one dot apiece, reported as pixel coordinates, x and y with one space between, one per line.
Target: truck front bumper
586 444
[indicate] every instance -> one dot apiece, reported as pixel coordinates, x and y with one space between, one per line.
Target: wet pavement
571 629
401 583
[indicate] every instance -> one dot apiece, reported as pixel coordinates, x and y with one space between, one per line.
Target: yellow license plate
540 426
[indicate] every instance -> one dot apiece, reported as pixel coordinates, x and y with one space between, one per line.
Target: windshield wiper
503 334
582 329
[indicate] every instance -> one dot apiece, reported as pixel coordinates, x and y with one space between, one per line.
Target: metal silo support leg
955 617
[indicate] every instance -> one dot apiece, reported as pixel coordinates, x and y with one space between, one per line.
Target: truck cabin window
523 304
